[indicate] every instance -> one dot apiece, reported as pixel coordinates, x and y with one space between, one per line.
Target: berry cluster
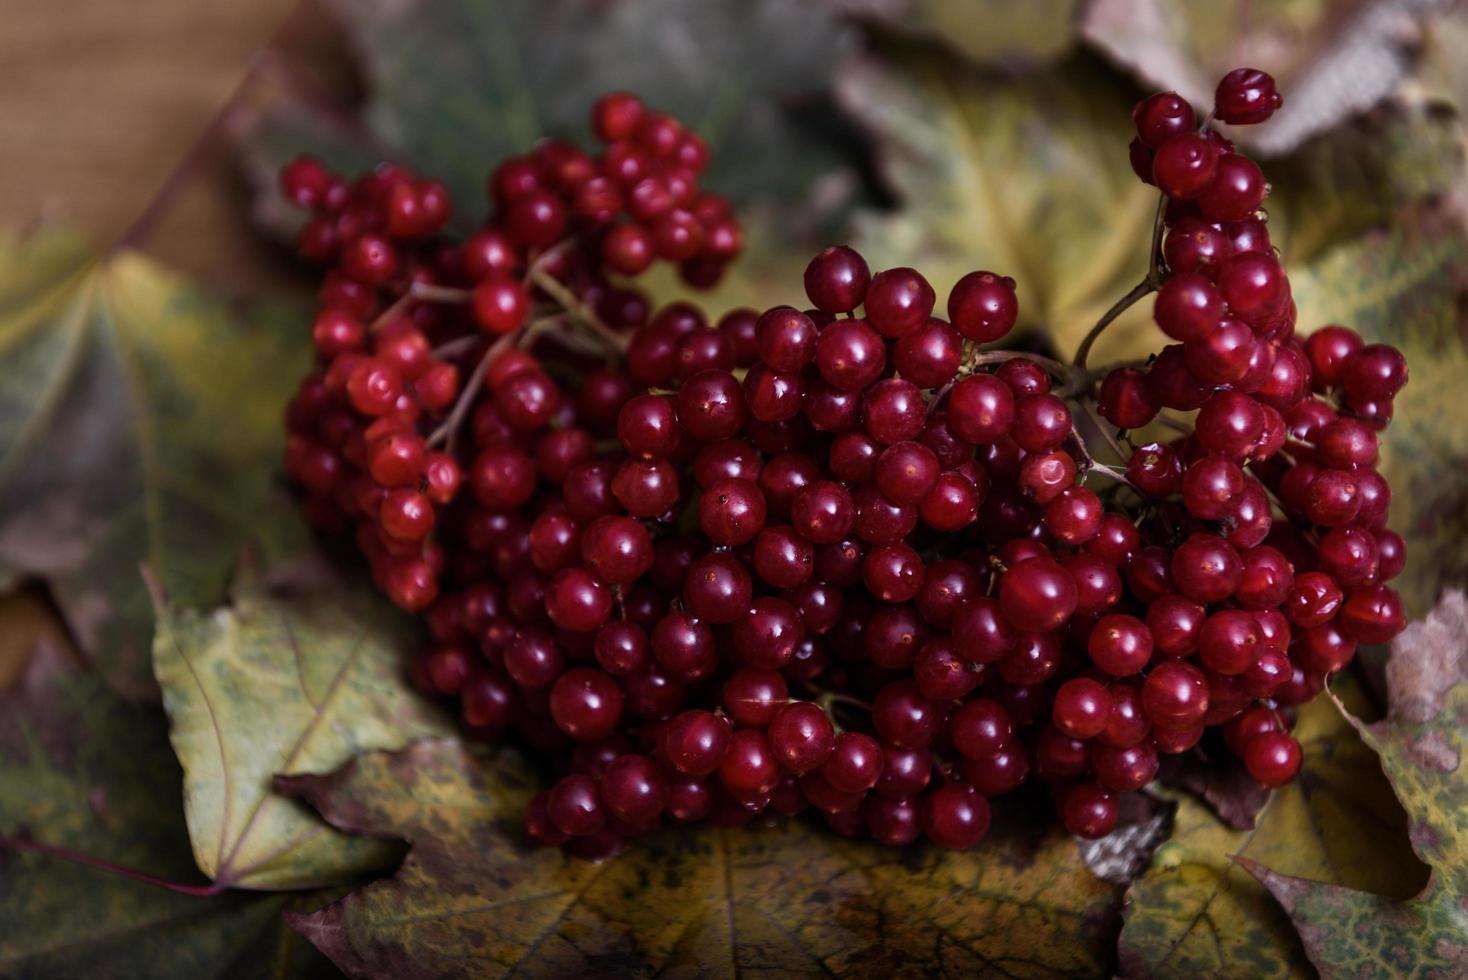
842 558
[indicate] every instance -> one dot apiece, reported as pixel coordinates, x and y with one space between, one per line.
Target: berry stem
454 348
826 699
439 294
449 430
1155 269
198 891
1110 472
1102 426
418 291
1059 369
573 305
1087 460
1117 309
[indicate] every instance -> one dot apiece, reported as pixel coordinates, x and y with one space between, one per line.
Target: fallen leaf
1217 778
474 897
1023 176
1028 177
456 87
1388 169
1442 70
268 685
986 31
1196 913
84 770
1143 824
139 423
1356 930
1332 59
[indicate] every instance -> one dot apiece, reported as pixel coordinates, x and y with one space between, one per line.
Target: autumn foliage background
185 683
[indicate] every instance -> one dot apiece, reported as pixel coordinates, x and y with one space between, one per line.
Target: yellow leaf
282 685
1197 913
474 897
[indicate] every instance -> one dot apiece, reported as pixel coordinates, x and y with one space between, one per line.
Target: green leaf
139 424
473 897
1332 58
1355 930
282 685
457 87
1196 913
84 770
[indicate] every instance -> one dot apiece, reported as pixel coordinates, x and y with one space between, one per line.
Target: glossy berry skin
1041 423
1188 307
1229 642
750 766
1272 758
906 472
1037 595
577 601
1161 116
785 338
1183 165
1314 600
711 405
898 302
904 718
586 704
855 763
1251 284
500 305
1126 769
1206 568
695 742
1089 811
980 728
1120 644
981 409
732 512
768 635
850 355
1081 708
929 356
1375 372
1236 190
1373 615
1175 695
801 736
1124 400
1246 96
982 306
836 280
752 696
955 816
1193 245
575 806
634 789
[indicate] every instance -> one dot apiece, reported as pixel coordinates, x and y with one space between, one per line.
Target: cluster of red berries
844 558
1276 564
639 201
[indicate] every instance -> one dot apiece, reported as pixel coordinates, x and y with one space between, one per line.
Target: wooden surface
100 99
